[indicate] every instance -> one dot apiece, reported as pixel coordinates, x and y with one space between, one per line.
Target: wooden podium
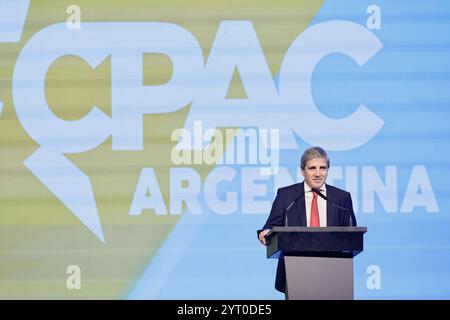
319 261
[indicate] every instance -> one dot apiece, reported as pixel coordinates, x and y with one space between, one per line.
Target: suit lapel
331 211
300 205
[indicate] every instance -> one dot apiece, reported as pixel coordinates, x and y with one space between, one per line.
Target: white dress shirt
321 204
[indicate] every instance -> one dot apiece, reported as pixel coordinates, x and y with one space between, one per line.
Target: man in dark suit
301 204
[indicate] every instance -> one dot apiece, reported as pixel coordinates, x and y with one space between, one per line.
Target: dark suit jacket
296 216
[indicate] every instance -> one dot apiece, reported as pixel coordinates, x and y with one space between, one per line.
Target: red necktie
314 221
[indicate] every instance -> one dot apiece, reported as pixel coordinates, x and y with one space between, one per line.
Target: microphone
320 194
300 196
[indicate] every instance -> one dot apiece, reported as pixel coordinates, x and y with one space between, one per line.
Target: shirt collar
323 189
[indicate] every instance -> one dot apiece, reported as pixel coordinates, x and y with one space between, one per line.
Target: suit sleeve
276 216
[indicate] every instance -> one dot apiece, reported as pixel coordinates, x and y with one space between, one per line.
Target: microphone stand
320 194
286 224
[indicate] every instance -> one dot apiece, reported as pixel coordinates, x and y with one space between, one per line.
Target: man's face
315 172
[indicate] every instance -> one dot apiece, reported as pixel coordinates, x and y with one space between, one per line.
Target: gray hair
313 153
